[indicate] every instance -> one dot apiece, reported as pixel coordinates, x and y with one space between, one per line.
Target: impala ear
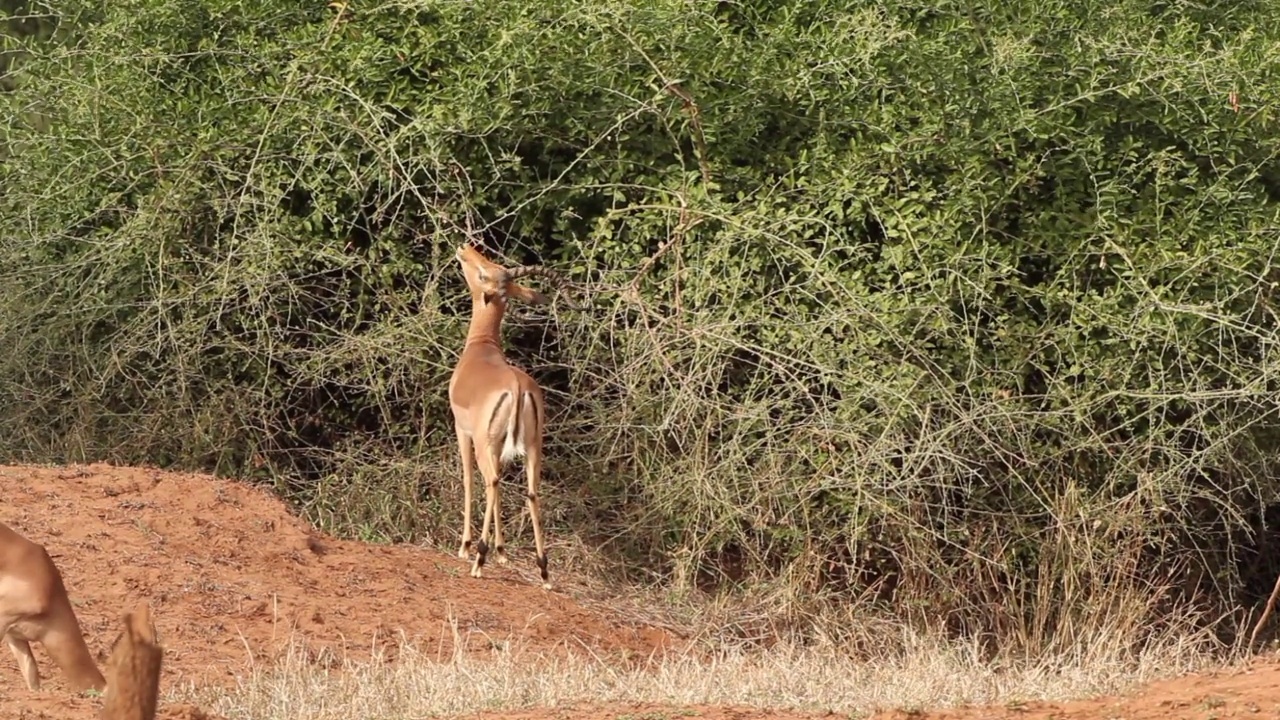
520 292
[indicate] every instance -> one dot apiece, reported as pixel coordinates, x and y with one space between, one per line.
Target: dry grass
922 673
854 661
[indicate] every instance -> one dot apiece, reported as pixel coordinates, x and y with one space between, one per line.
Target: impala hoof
475 571
463 554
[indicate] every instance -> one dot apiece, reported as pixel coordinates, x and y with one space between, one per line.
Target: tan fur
496 407
134 669
34 608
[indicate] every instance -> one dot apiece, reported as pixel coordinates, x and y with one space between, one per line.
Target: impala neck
486 321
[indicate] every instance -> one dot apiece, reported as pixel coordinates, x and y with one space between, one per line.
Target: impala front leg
21 650
489 475
466 451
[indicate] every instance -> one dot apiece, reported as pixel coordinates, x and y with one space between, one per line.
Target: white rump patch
512 447
513 443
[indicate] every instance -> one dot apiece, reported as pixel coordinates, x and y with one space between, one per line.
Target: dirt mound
231 576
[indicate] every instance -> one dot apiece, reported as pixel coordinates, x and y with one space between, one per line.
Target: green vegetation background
965 311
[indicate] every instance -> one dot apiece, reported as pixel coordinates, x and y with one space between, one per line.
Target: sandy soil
231 576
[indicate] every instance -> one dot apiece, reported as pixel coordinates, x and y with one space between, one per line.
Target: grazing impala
34 608
498 410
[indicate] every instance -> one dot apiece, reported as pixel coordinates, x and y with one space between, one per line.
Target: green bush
965 309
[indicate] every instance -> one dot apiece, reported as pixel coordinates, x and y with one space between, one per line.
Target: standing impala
498 410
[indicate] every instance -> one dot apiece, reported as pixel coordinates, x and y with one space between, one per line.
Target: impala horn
539 271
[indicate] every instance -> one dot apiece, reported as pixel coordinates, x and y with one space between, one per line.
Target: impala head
489 280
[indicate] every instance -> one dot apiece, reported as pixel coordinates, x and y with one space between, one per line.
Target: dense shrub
965 308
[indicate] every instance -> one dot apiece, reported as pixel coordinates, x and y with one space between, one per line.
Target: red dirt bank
231 574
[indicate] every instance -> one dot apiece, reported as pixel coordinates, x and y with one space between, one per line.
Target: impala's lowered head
489 281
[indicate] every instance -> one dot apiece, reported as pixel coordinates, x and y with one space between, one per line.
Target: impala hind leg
533 470
466 452
499 548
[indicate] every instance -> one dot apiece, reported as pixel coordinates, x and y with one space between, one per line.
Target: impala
498 410
34 607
